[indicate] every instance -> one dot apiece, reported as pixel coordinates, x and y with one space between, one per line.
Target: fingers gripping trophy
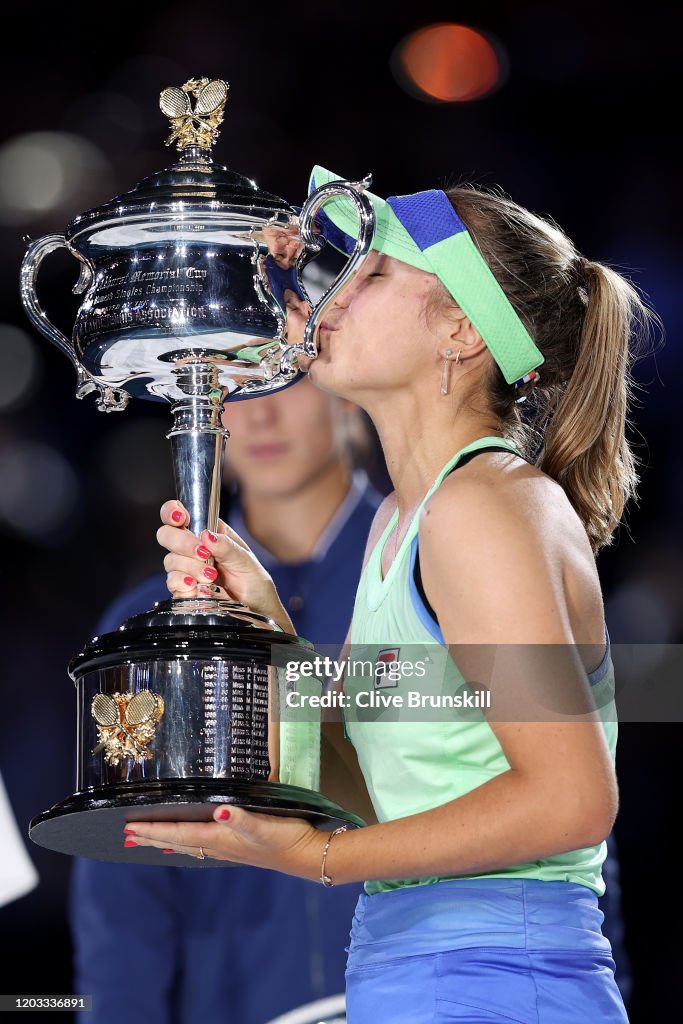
182 284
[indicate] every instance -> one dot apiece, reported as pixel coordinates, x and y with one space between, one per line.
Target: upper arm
497 590
488 570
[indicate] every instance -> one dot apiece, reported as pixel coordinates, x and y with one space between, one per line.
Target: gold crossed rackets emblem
198 125
126 724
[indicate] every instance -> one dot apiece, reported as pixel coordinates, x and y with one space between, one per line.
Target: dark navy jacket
164 945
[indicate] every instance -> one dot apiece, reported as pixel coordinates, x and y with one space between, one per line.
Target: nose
262 411
342 299
251 414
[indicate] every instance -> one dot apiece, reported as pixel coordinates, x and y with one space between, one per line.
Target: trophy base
91 824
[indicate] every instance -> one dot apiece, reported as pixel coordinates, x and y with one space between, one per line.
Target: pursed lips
325 326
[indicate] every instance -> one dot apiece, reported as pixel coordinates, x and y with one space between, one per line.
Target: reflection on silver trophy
183 281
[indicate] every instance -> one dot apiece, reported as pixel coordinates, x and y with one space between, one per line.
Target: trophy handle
108 399
355 191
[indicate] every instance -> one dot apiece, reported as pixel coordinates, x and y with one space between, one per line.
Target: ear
463 334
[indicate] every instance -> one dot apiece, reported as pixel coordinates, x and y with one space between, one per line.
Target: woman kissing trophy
182 282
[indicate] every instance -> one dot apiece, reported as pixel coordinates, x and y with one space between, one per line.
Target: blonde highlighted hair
591 324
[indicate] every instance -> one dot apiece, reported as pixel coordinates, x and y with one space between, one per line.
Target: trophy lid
210 626
194 185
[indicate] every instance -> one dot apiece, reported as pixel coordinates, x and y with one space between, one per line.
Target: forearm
508 820
272 606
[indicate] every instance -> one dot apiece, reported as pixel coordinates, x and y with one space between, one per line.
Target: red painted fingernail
189 581
210 572
212 536
130 842
223 814
203 552
177 516
130 831
168 851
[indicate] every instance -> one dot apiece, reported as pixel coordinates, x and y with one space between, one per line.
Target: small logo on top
387 669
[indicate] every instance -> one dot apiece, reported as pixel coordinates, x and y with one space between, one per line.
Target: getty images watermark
428 682
386 672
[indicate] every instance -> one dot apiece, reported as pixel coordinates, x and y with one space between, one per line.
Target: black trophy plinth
178 711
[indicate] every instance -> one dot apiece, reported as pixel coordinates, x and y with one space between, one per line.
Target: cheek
396 313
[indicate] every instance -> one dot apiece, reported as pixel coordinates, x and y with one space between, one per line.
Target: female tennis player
483 866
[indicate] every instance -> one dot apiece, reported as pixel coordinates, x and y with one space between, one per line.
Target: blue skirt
481 951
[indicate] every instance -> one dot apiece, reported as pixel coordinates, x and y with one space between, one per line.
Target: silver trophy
182 281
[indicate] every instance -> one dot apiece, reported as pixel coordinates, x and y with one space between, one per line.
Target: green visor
424 231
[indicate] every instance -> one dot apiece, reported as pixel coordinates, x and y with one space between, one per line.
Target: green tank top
414 765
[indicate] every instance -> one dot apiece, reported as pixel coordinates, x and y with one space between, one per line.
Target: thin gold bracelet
325 879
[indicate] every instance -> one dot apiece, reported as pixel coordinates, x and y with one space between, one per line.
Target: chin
314 373
321 373
331 384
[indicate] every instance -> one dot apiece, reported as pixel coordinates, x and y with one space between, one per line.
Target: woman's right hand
236 573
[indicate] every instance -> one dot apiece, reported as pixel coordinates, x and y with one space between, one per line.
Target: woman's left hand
283 844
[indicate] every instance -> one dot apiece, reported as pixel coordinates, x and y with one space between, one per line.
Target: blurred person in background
175 945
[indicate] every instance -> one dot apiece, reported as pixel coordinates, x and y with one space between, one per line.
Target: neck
418 438
290 525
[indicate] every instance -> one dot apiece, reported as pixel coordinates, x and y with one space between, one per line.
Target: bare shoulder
513 495
501 519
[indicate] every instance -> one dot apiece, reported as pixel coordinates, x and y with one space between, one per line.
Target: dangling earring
446 372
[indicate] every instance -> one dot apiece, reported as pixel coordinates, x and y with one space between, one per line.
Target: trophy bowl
183 282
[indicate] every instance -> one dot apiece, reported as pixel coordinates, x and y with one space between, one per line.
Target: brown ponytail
585 446
591 324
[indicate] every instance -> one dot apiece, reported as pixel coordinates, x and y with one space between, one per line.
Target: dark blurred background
568 108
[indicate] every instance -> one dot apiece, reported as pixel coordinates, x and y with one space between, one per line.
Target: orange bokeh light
450 63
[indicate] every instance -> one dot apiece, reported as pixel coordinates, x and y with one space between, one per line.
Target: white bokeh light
40 489
21 367
43 171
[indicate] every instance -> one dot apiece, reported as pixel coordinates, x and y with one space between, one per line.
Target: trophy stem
198 444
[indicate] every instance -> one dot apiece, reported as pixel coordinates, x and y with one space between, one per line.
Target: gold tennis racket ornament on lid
198 125
126 724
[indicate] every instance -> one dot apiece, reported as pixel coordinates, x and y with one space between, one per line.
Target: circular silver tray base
91 824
